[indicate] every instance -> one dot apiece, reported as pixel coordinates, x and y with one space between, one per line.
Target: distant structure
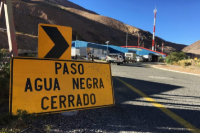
138 39
155 45
162 46
154 26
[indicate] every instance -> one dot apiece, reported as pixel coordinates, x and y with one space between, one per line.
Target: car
115 58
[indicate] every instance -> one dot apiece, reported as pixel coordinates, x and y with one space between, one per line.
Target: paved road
178 93
147 100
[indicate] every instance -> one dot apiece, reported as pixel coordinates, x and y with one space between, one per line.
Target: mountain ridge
194 48
87 25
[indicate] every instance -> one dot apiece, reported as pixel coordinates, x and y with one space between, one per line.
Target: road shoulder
178 69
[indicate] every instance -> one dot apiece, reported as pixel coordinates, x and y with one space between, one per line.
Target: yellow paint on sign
51 37
174 116
49 86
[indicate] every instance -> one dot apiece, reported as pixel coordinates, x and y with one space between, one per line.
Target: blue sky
177 21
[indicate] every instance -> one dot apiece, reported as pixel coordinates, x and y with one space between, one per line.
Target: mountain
193 48
86 25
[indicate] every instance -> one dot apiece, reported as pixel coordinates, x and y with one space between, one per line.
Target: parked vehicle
147 57
75 52
115 58
139 58
130 57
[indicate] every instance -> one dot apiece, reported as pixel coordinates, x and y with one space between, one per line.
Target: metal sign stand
7 4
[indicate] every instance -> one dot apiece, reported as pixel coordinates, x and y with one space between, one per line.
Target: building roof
79 44
144 51
116 49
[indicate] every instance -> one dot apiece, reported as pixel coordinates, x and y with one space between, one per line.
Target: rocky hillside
87 25
193 48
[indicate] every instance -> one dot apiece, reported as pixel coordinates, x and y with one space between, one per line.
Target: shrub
193 62
168 60
4 79
160 59
4 88
174 57
184 63
198 64
175 63
198 61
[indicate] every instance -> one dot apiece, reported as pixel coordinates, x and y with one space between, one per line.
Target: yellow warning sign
54 41
50 86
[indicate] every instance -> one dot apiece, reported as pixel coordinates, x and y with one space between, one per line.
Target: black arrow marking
61 44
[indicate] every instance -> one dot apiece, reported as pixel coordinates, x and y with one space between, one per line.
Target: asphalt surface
178 93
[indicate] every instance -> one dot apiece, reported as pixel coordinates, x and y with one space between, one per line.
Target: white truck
147 57
130 57
115 58
75 52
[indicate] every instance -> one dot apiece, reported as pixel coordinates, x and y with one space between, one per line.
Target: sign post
10 27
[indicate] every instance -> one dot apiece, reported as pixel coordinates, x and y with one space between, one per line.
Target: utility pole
107 48
154 27
126 38
7 4
162 46
138 39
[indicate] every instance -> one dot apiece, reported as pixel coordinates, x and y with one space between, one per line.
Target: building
147 54
82 48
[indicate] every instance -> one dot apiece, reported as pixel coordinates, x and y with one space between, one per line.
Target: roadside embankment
186 69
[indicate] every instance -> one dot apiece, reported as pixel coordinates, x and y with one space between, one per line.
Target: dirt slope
193 48
87 25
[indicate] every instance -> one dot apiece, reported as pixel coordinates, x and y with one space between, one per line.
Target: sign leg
10 28
1 7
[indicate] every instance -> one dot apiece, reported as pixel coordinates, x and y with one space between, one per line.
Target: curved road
157 100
